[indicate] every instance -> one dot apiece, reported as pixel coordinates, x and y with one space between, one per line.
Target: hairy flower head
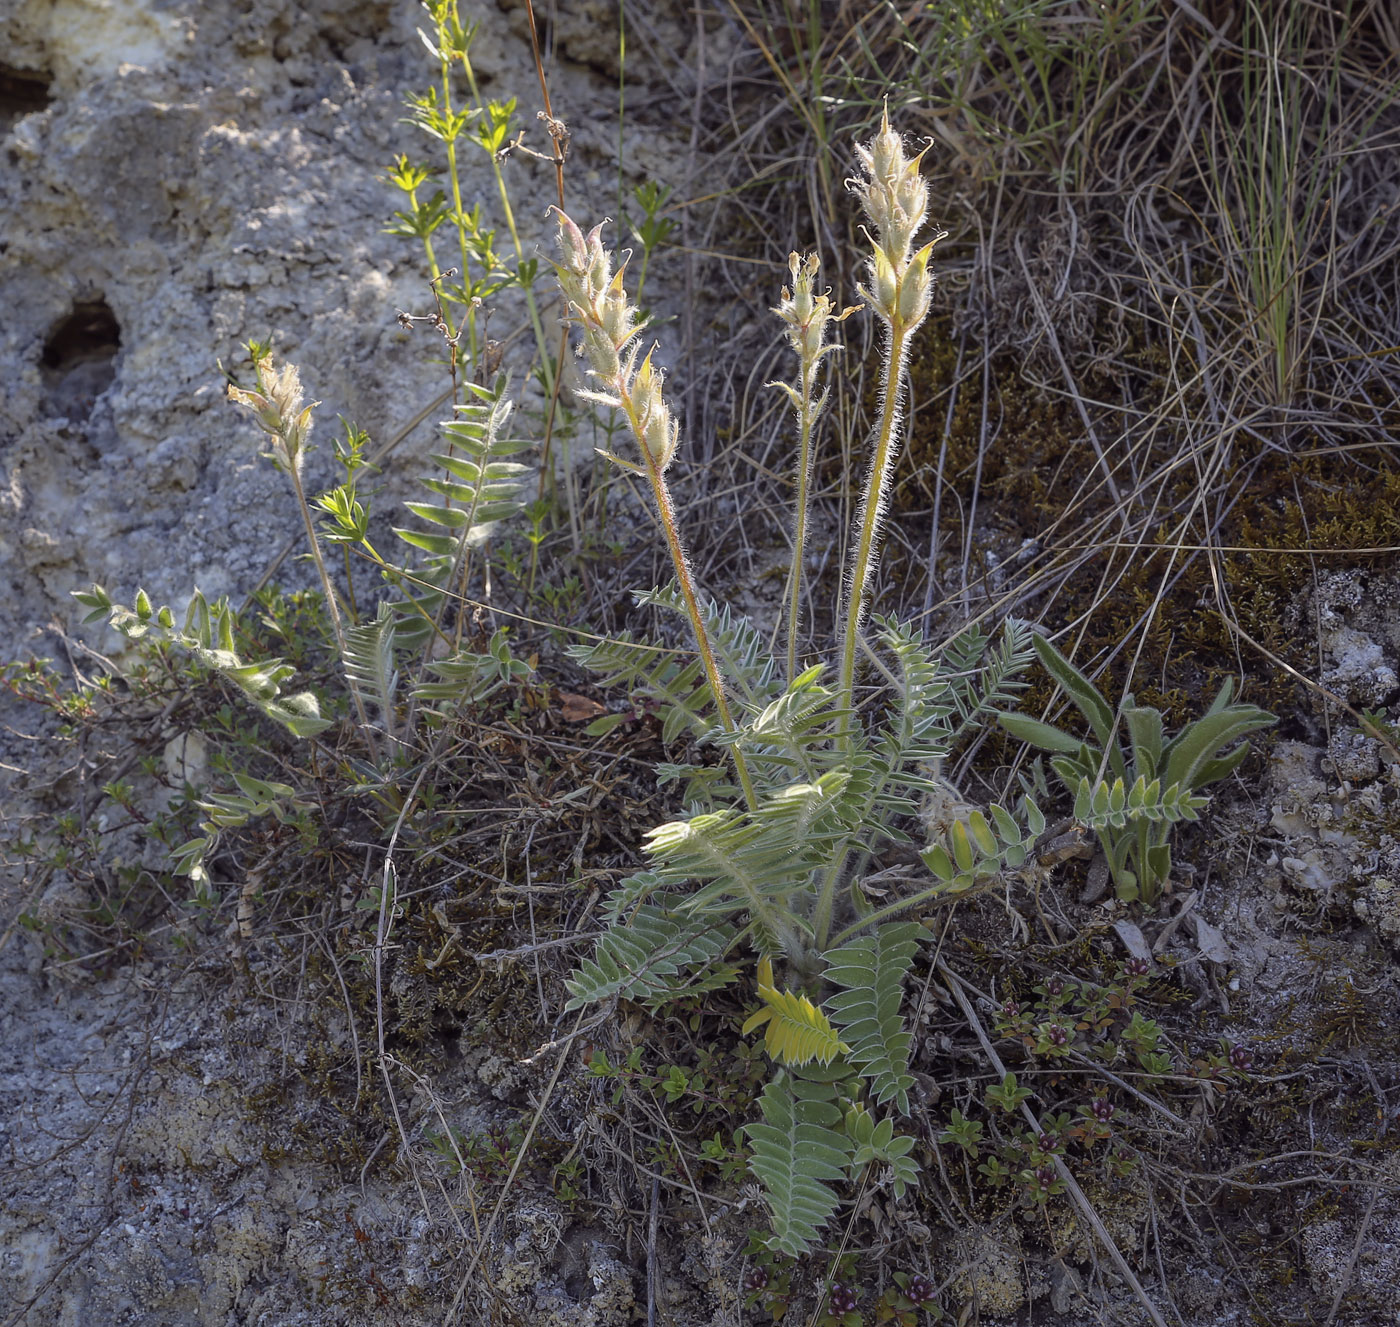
277 408
806 312
599 304
597 298
894 197
894 194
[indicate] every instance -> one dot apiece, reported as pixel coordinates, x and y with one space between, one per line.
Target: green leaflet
677 687
208 636
645 957
255 797
1112 806
483 490
468 678
369 663
796 1156
917 735
982 677
875 1141
871 971
795 1031
676 682
744 659
1150 783
1081 691
755 861
977 848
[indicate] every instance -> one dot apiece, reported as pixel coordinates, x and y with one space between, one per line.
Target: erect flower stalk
806 314
894 198
277 408
599 303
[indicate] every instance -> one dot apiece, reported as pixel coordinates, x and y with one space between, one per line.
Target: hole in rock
79 359
21 91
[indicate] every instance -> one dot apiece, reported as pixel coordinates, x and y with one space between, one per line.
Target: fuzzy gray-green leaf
797 1155
871 971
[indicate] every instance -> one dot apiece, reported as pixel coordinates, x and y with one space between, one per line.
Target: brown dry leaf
578 709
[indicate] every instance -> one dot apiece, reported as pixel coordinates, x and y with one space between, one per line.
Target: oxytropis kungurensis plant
819 775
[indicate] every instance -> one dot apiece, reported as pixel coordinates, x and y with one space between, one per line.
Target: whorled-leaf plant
818 777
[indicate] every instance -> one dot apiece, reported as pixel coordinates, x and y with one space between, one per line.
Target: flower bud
599 263
599 304
895 198
617 316
884 157
277 408
297 433
264 411
646 389
916 288
803 282
911 196
660 436
571 243
598 346
884 284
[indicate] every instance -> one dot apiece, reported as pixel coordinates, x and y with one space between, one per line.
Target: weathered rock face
178 177
196 175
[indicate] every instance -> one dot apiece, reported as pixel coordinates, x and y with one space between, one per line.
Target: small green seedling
1132 796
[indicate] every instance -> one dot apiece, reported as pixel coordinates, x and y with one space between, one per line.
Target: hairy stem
799 537
886 448
666 511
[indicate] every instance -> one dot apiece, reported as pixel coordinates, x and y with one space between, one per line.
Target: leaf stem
332 605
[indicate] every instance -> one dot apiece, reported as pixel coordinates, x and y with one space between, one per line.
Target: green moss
1280 516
